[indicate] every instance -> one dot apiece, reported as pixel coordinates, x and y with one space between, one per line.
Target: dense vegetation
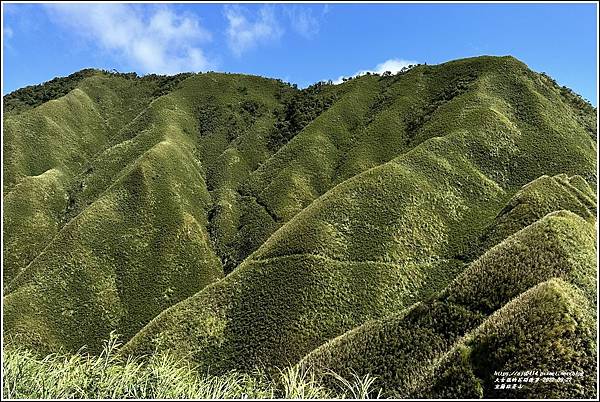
34 95
402 349
385 228
298 110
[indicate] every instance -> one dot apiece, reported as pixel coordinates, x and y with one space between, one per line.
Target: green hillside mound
427 206
548 329
32 216
398 349
47 148
536 199
272 314
126 232
240 222
141 247
560 245
401 348
378 118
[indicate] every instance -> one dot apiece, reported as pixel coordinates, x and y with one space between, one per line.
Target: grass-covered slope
140 247
108 239
378 118
536 199
424 209
402 350
47 147
242 222
274 313
548 329
128 239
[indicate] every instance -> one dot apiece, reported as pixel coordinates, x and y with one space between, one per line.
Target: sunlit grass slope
240 222
416 218
46 147
133 238
378 118
549 328
404 349
108 239
536 199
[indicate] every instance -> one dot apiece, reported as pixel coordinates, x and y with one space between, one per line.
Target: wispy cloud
305 21
8 32
158 41
391 65
245 33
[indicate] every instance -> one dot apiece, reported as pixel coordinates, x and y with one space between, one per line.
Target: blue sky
299 43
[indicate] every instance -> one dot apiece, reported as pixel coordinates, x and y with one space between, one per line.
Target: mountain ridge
244 222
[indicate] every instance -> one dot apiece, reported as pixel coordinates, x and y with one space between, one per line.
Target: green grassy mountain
404 349
383 226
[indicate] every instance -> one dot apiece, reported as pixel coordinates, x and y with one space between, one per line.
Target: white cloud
248 29
304 21
161 41
8 32
392 65
244 34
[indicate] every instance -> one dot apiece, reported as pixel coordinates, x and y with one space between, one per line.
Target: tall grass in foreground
160 376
